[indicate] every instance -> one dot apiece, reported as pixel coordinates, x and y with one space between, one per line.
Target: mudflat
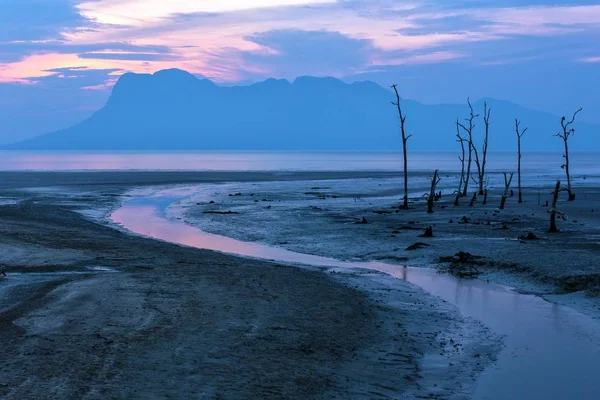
87 311
359 220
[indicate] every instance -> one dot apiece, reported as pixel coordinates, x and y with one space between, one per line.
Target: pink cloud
208 46
103 86
591 59
136 12
544 16
429 58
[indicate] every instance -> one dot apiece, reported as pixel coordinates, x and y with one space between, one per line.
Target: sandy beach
87 311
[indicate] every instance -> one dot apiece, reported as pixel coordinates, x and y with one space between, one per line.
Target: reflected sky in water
552 352
533 163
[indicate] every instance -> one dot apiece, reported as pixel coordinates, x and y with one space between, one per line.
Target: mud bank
325 218
88 312
536 333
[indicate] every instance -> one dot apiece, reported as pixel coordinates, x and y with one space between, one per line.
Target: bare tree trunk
564 135
506 192
502 202
470 160
460 140
473 200
485 149
485 194
481 166
519 173
519 136
553 227
457 198
431 198
404 140
567 165
469 131
404 151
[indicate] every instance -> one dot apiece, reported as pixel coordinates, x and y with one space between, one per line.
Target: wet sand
88 312
541 340
323 218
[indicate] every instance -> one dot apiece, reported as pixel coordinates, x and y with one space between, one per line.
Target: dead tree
506 192
432 196
404 140
473 199
520 134
460 140
553 227
567 131
481 165
469 130
486 186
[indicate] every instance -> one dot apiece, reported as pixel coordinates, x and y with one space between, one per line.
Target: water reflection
552 352
539 165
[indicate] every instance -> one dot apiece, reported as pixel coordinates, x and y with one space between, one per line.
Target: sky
60 58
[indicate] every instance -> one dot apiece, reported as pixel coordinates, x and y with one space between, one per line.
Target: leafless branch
518 128
405 138
564 135
520 135
572 119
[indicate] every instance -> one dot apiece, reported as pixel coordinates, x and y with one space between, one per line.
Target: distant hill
174 110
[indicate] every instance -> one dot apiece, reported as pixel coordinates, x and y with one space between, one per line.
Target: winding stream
551 351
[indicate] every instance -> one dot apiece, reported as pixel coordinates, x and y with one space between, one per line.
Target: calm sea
538 163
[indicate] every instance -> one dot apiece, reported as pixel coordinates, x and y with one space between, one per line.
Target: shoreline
529 266
492 304
162 319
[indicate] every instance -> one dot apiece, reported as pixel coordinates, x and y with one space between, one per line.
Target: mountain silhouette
174 110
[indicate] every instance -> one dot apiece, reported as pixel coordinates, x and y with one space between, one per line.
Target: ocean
540 164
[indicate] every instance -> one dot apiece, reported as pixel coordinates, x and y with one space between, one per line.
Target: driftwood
428 232
529 236
463 264
416 246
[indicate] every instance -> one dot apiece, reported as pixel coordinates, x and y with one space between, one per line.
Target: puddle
551 351
99 268
5 201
